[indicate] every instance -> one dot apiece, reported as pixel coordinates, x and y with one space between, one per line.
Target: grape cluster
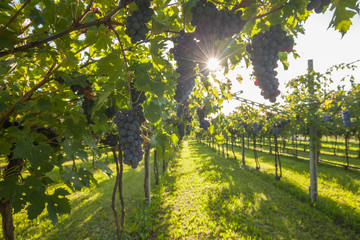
48 133
188 129
264 51
328 118
318 5
278 127
247 129
128 123
110 140
137 97
193 49
136 27
204 124
184 55
83 90
78 89
257 127
182 107
87 105
345 115
213 24
111 111
181 130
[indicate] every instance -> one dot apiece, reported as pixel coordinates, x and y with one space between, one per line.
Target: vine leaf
342 15
57 204
37 201
36 154
158 27
153 111
77 180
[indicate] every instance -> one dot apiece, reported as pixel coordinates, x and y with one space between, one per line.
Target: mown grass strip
339 189
91 216
211 197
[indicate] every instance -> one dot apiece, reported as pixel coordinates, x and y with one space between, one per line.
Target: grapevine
111 111
184 56
87 105
345 115
213 24
318 5
193 49
128 123
110 140
136 27
264 51
204 124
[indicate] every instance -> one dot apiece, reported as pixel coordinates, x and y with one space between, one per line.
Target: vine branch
265 14
87 10
28 95
125 60
12 19
240 5
73 27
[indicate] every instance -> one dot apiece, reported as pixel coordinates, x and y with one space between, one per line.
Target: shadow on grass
346 179
91 215
268 198
162 218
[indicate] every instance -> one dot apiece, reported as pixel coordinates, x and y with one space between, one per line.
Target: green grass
207 196
338 189
91 216
326 152
211 197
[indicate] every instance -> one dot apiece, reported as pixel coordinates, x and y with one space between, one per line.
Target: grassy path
211 197
91 216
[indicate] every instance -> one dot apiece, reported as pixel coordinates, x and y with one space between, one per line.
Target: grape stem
125 61
265 14
87 10
75 26
28 95
13 18
240 5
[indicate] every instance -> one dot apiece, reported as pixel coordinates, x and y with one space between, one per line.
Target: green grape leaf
344 11
92 144
5 146
153 111
158 27
174 139
37 201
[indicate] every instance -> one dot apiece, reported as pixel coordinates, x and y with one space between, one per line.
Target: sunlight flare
213 64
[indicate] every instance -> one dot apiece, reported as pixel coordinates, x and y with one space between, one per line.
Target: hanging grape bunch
318 5
345 115
87 105
137 97
247 129
181 130
257 127
110 140
328 118
184 56
136 27
128 123
264 55
213 24
84 90
204 124
111 111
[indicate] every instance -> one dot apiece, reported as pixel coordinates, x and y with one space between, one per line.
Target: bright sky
324 46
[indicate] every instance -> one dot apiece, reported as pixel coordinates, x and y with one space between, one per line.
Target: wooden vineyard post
312 142
147 184
243 149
